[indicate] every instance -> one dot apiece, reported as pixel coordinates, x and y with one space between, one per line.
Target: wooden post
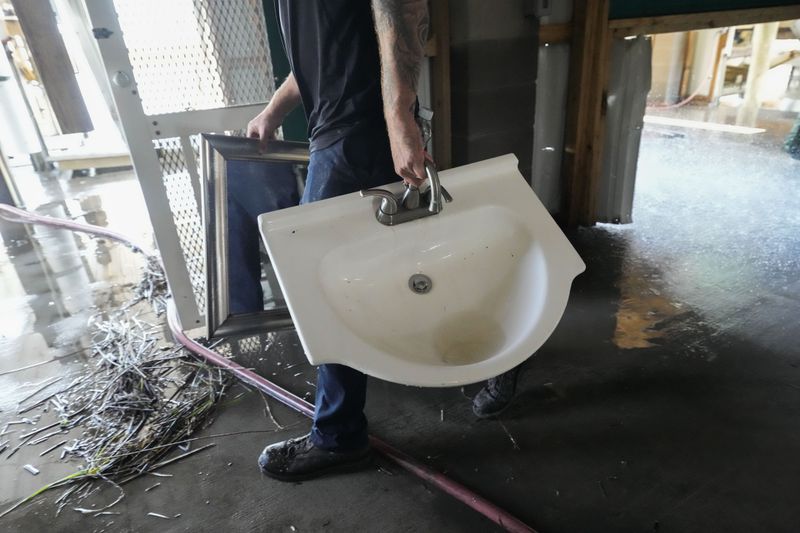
763 37
585 121
705 20
440 78
716 80
53 65
688 64
672 92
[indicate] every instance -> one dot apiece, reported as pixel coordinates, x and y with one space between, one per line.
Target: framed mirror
239 182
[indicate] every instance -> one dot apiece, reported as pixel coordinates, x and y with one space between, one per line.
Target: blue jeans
253 188
359 161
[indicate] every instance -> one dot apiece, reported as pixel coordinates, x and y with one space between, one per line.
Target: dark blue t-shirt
333 52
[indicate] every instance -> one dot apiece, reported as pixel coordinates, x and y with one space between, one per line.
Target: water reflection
52 280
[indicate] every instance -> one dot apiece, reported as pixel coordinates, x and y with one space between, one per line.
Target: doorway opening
718 177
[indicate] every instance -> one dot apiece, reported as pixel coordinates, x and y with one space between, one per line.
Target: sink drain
420 283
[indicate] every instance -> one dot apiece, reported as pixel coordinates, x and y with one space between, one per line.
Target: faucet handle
446 195
388 200
411 197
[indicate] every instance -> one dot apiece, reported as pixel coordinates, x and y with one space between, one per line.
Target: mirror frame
215 153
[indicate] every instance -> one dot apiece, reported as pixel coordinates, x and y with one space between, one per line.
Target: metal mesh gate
196 54
179 68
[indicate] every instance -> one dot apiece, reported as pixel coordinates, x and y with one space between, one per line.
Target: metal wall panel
548 137
551 100
629 83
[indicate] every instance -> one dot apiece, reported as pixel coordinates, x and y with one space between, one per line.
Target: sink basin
445 300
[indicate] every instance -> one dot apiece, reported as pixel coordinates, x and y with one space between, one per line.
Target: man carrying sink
355 66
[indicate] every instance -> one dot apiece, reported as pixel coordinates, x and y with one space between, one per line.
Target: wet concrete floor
666 400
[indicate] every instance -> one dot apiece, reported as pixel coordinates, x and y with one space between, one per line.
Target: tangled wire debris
141 398
152 288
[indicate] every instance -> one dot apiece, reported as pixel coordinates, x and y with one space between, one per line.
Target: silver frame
215 152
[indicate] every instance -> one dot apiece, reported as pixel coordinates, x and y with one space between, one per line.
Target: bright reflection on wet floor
715 230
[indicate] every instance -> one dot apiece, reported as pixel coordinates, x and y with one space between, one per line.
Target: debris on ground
510 436
139 398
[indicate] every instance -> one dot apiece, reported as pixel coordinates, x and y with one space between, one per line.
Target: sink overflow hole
420 283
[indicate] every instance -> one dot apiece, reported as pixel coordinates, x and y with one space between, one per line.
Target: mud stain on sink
467 337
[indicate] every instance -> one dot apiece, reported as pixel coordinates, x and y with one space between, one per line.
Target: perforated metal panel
182 203
240 53
196 54
195 142
248 345
179 68
224 349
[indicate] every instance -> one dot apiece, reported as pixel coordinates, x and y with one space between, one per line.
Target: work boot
496 395
298 459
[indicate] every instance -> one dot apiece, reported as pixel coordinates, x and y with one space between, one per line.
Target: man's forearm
286 98
402 28
263 126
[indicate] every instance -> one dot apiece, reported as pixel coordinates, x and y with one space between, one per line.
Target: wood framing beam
585 121
430 47
699 21
722 40
53 65
81 162
555 33
688 63
440 84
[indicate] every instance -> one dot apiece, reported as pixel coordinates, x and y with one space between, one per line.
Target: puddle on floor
641 309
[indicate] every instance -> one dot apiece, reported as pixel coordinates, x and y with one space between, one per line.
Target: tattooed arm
402 28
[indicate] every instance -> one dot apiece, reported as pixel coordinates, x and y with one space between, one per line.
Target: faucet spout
388 201
435 205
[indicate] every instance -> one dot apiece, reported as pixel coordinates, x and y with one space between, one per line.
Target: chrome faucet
395 210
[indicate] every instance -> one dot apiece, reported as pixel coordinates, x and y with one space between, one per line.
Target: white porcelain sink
500 272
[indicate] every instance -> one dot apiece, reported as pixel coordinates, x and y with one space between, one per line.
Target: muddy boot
298 459
496 395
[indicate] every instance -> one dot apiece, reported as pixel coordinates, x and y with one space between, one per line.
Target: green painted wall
621 9
295 127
